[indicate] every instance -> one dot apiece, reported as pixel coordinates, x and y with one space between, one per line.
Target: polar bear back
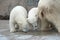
33 12
19 10
55 4
19 14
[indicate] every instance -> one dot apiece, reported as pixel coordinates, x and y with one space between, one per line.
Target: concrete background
7 5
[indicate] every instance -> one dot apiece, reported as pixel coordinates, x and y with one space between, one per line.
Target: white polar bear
49 10
18 16
33 17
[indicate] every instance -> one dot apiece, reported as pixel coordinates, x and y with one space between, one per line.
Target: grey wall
7 5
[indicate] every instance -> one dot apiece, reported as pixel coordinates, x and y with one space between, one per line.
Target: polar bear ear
42 13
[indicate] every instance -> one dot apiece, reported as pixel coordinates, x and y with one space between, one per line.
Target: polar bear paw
13 30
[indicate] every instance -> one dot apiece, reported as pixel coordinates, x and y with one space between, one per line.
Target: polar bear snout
25 30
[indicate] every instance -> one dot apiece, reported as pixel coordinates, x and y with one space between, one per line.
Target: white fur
33 17
51 11
18 16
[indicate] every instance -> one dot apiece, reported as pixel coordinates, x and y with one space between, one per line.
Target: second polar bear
49 10
33 17
18 16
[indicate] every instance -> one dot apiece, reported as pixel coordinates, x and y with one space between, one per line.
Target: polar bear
33 17
49 10
18 16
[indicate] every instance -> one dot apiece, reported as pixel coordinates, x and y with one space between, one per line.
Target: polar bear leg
12 27
58 28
